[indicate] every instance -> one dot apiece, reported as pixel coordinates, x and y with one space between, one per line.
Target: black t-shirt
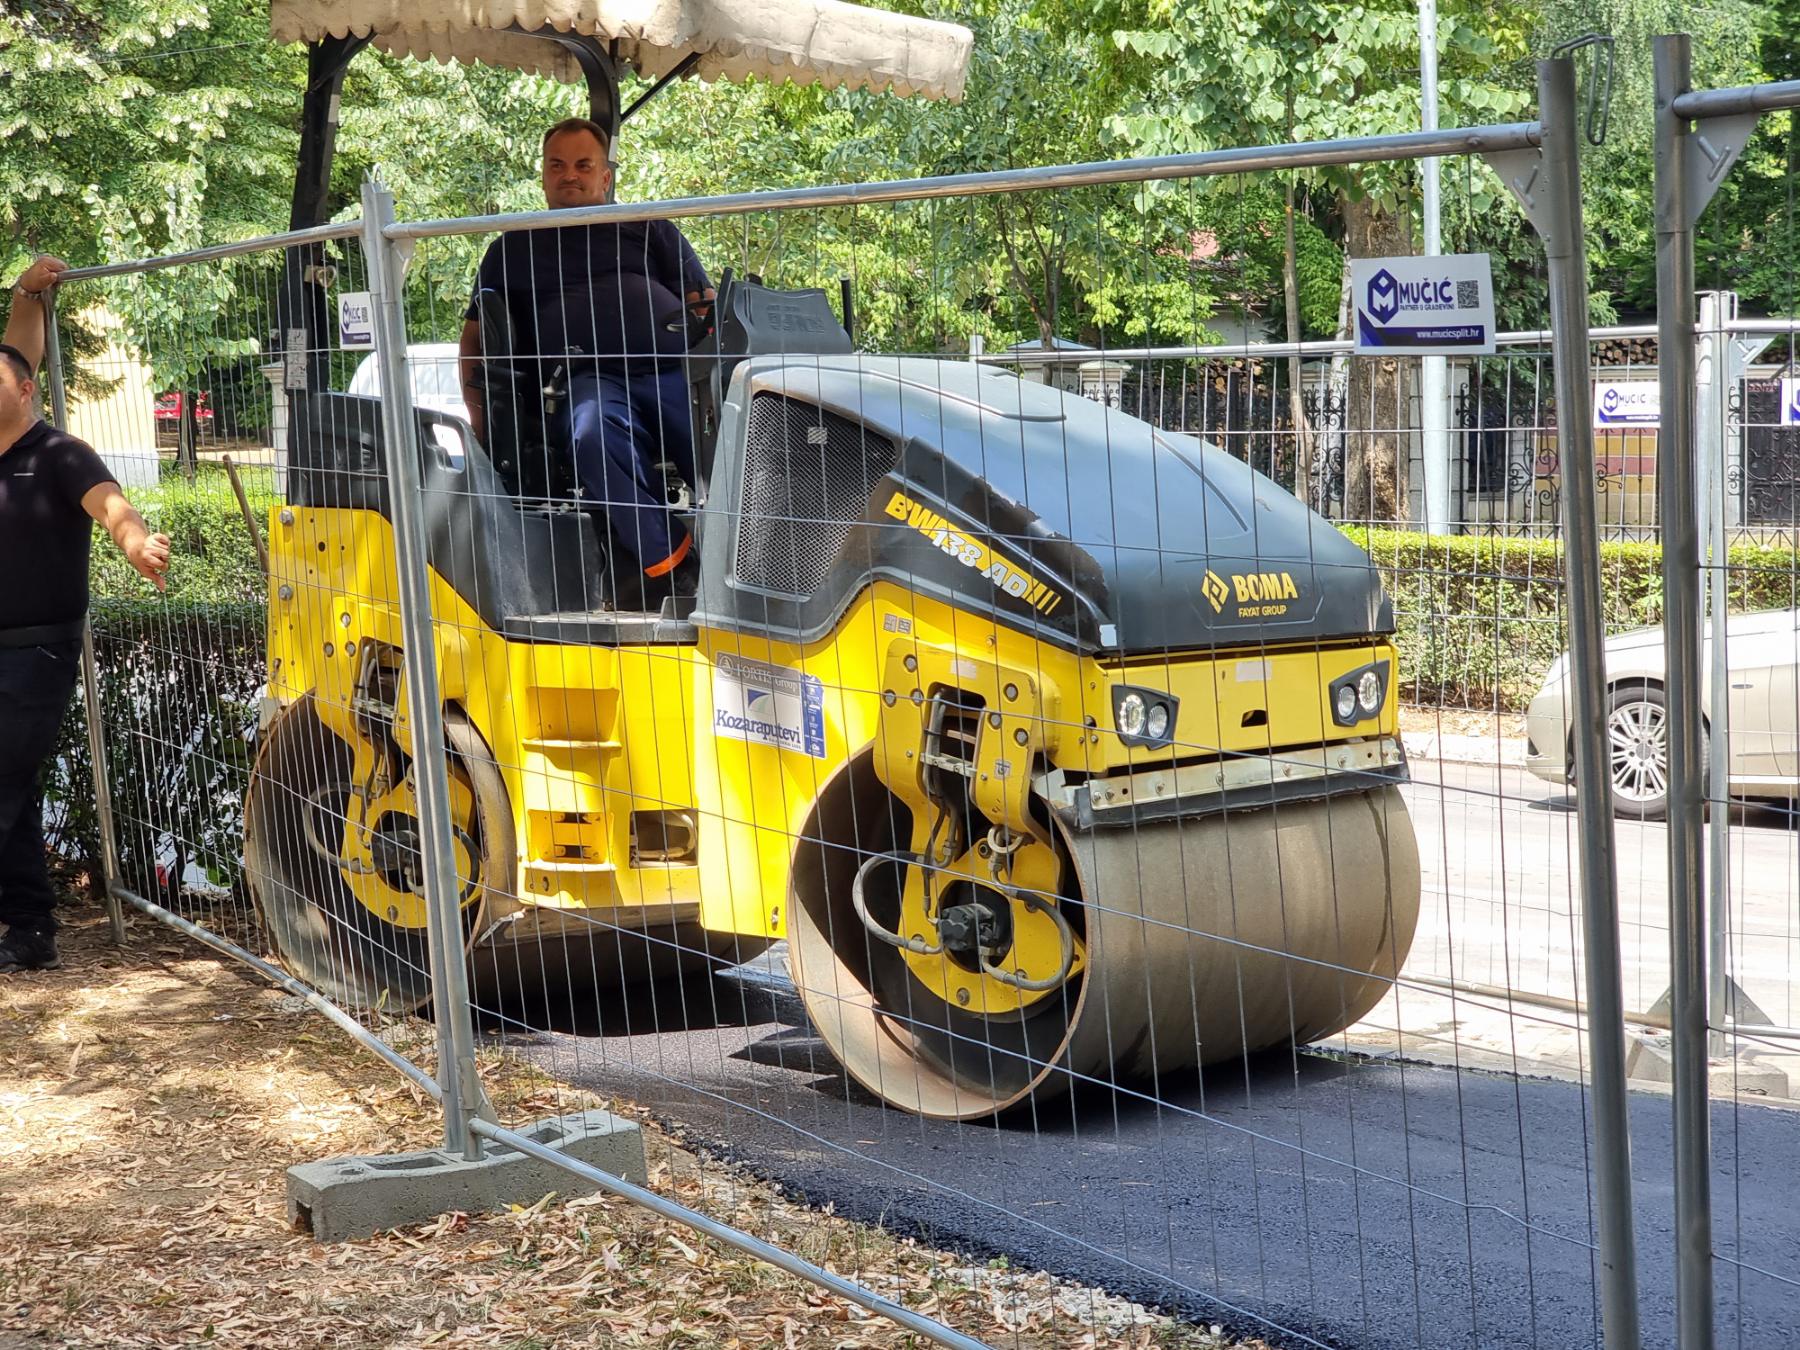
605 290
45 536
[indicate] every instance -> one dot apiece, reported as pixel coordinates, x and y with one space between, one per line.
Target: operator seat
527 430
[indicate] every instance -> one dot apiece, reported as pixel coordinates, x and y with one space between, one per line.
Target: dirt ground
1458 722
151 1099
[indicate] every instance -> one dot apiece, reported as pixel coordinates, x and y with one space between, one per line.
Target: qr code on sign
1468 295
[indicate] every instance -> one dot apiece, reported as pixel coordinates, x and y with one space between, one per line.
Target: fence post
1676 502
1724 361
90 676
464 1100
1711 397
1565 251
1434 371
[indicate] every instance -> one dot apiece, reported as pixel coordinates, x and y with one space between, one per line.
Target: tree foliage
136 127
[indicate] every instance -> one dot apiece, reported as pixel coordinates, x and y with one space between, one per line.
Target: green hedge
1480 618
178 678
178 684
214 559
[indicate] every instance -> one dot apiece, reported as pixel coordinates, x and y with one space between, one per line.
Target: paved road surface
1311 1198
1498 849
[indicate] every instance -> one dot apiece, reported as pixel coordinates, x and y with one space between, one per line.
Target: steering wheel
694 320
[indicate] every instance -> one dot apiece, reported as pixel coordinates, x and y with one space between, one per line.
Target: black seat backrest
755 320
527 429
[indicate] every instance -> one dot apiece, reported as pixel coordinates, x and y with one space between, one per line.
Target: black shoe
684 587
29 948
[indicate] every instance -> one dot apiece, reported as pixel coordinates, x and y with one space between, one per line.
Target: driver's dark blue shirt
609 291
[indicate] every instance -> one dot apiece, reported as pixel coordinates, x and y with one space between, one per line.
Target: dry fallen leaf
158 1214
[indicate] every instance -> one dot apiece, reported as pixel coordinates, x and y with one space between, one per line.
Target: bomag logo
1008 577
1265 586
1258 595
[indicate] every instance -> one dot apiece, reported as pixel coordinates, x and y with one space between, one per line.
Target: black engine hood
1061 514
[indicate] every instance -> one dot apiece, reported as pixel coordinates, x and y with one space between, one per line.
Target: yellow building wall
122 422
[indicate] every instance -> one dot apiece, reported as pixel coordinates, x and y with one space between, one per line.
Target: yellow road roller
1058 747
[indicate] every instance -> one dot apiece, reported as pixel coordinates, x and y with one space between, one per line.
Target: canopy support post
326 62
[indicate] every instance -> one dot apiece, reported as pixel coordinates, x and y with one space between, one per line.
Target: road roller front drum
348 917
1201 939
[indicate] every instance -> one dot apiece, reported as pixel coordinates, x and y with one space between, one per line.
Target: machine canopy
807 41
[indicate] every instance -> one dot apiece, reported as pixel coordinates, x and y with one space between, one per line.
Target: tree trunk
1328 445
1290 292
1290 295
187 439
1376 438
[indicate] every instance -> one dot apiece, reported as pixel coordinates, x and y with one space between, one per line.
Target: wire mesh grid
819 846
1747 638
232 806
993 764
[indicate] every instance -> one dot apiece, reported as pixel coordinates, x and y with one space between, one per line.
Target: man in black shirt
51 487
607 293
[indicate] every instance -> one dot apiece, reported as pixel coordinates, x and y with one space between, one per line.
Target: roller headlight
1130 719
1357 695
1368 693
1144 717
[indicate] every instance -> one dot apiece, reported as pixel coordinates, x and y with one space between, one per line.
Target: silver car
1763 652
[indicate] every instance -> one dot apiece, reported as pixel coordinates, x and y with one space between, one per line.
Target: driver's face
576 172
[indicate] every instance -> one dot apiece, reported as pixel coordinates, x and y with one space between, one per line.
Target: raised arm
147 552
25 323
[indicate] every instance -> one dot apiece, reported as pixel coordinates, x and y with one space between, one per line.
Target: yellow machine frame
584 736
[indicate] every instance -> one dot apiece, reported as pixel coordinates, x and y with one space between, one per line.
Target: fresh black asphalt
1308 1199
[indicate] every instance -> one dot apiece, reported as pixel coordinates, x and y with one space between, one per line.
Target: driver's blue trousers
621 425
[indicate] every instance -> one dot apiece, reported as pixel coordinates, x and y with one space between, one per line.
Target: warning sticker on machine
768 705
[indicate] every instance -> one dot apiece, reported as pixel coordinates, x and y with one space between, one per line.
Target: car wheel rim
1637 736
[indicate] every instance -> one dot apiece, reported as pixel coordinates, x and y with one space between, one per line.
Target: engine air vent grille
807 478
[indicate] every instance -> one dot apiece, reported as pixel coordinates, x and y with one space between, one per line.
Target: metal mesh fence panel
1716 718
972 788
1066 805
236 804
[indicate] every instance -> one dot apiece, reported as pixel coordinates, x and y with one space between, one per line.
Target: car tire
1637 750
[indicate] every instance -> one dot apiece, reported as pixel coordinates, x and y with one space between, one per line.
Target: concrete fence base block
1650 1058
343 1199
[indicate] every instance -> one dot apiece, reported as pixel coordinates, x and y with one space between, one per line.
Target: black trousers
35 685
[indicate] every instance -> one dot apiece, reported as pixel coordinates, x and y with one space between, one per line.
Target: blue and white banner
768 705
1627 405
1423 306
1790 401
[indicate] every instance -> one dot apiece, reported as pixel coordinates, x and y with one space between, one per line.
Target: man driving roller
612 294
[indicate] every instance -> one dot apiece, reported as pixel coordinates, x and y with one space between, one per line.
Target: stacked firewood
1625 352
